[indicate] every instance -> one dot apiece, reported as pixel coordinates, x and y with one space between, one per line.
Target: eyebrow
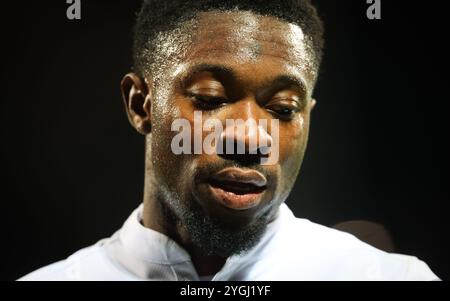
287 80
281 81
215 69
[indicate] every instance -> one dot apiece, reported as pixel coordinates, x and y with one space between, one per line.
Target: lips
238 189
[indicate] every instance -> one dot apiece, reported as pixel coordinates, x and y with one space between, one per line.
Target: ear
137 100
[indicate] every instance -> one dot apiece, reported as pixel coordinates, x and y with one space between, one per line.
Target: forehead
241 40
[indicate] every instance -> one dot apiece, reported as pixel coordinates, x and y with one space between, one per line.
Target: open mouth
238 189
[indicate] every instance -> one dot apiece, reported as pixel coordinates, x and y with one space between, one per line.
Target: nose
246 138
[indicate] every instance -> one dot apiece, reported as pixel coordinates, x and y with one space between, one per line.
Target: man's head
229 60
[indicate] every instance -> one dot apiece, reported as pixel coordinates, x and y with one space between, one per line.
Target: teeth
237 187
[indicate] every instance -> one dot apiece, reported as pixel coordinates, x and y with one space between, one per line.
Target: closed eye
284 110
206 102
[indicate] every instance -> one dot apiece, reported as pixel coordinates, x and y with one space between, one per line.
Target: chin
218 236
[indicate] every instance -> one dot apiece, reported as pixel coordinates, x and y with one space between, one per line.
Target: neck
158 217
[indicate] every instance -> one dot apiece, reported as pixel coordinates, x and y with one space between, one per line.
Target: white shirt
291 249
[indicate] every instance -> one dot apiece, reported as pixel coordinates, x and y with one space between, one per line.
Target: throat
159 218
205 265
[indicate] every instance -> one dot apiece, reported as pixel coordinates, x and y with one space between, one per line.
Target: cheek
293 140
166 163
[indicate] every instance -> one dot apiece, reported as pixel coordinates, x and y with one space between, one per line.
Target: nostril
245 158
247 143
264 150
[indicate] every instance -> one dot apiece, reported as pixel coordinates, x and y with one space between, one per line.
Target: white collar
151 255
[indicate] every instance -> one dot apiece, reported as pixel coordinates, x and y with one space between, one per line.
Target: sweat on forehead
162 23
232 36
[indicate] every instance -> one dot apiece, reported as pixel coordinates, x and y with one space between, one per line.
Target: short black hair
157 16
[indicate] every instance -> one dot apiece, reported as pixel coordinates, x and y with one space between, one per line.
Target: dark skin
240 65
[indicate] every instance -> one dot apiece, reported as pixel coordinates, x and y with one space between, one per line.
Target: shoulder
306 250
91 263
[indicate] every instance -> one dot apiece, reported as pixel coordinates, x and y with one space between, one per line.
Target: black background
72 168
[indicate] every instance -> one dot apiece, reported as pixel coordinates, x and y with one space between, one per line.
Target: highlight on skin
258 56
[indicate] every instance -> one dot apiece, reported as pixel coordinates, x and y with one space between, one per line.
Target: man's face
238 66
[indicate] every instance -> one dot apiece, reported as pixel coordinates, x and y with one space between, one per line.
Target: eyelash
284 112
205 102
208 102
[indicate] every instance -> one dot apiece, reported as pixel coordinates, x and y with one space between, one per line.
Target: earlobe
137 101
